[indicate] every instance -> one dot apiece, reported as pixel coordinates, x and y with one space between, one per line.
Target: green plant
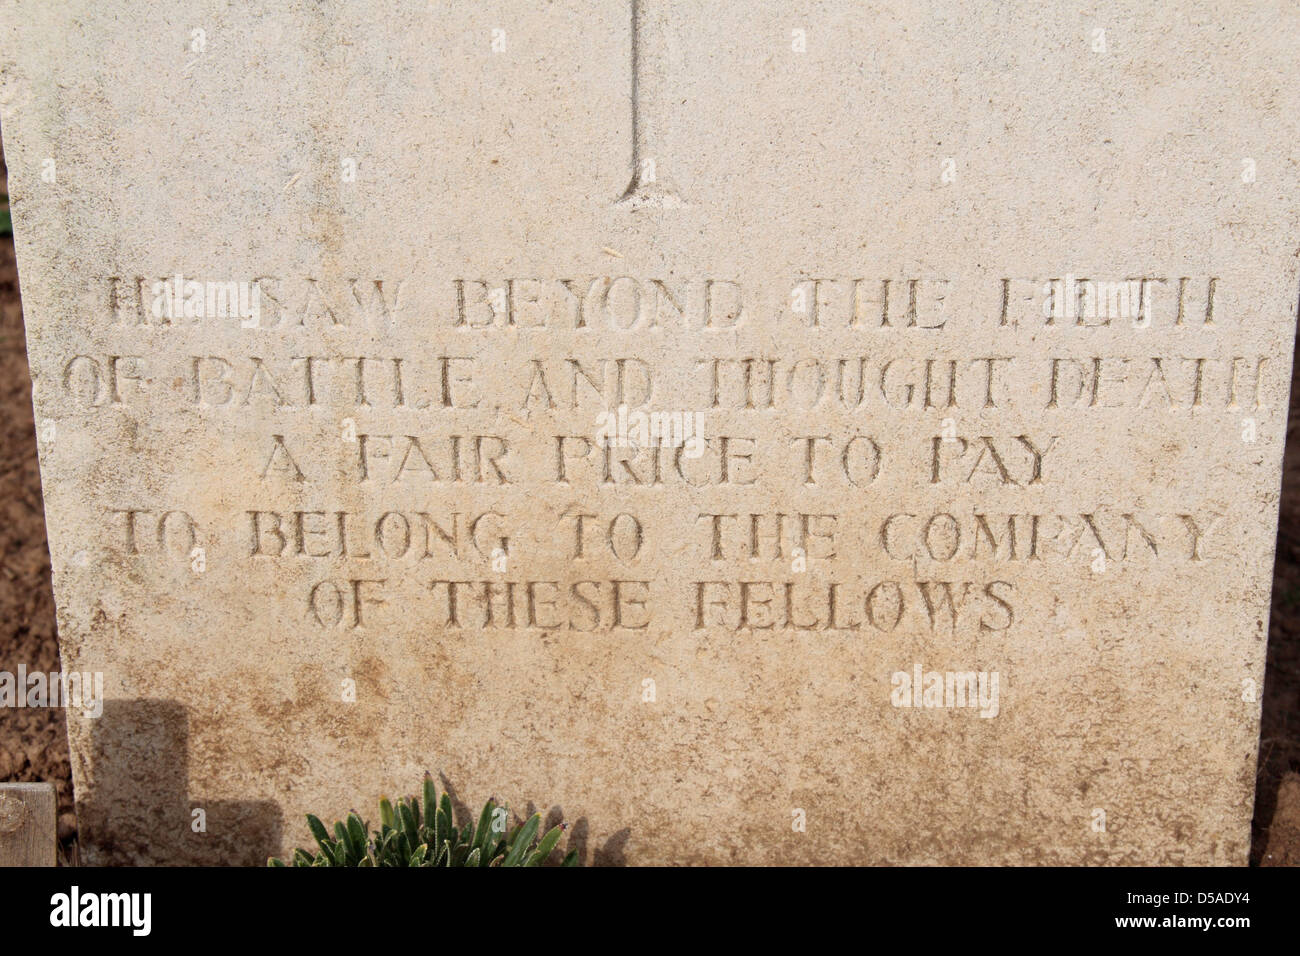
411 835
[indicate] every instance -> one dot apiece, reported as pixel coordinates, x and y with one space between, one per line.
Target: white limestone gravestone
887 473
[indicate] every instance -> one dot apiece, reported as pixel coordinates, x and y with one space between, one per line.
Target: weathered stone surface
840 249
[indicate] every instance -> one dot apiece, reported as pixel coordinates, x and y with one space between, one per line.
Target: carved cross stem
649 98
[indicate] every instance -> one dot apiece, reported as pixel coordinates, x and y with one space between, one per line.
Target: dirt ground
1277 785
33 743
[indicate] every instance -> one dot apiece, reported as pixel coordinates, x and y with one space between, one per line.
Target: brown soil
1279 745
34 746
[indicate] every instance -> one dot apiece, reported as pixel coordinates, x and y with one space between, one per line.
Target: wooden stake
27 824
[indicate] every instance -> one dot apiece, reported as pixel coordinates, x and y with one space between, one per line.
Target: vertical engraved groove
648 186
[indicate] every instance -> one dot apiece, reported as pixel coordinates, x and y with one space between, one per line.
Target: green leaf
544 848
570 858
494 848
356 835
484 831
409 827
385 813
473 858
318 830
430 801
446 829
522 840
341 834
